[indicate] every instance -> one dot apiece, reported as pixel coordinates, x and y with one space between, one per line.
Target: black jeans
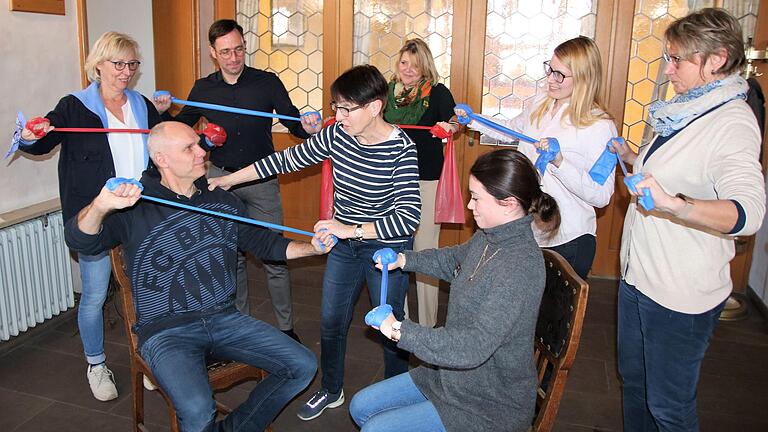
579 253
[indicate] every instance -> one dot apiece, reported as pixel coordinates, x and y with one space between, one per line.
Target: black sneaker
319 402
292 334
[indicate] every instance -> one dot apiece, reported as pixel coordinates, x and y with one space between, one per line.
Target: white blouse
127 148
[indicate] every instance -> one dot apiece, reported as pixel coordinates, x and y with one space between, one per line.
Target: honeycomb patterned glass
381 27
646 80
286 37
520 36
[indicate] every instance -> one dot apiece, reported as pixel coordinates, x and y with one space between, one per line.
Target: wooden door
177 45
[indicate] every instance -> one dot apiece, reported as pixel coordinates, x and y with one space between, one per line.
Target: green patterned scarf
406 105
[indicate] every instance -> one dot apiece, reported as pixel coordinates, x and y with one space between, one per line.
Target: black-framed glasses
344 110
120 65
556 74
227 52
674 59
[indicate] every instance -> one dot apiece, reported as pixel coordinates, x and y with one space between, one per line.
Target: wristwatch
359 232
395 335
688 206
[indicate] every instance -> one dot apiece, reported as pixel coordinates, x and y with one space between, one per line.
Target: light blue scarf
674 114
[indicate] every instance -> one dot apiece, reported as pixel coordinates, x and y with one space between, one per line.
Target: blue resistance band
378 314
233 110
604 165
114 182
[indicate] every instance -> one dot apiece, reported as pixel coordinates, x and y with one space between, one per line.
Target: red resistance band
38 124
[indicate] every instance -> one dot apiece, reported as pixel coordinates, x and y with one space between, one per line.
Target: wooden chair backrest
126 295
558 331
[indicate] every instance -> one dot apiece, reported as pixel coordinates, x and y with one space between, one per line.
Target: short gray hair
706 32
106 47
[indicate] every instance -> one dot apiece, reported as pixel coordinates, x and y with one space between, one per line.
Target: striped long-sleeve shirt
372 183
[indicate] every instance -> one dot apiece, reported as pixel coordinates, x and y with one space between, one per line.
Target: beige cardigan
684 267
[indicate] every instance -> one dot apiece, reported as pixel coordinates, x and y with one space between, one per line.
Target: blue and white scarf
674 114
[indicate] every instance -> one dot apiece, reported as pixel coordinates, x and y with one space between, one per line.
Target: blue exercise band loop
114 182
501 128
16 138
378 314
224 108
544 158
605 164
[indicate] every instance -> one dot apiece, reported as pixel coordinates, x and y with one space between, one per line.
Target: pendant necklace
483 261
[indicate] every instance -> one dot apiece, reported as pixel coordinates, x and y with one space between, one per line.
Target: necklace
483 261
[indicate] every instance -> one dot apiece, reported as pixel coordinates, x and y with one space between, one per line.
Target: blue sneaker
319 402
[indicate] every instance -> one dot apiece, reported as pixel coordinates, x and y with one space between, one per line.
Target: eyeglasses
120 65
344 110
227 52
674 59
556 74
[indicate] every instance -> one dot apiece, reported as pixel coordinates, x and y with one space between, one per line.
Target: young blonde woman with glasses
570 111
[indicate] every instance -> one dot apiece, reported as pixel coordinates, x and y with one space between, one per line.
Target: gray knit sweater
481 375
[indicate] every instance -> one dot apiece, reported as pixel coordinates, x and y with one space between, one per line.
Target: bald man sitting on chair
182 266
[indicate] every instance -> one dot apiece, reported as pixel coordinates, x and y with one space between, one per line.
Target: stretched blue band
233 110
113 183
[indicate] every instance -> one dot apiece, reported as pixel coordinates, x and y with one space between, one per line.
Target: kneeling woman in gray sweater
480 374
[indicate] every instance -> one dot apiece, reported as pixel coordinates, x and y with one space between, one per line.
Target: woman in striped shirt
376 204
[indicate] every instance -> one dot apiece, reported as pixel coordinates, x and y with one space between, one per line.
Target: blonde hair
422 55
586 107
106 47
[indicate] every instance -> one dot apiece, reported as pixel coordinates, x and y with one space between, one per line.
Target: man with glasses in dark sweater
249 138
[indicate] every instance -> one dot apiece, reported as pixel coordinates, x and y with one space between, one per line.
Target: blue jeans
395 404
579 252
177 357
660 353
94 274
349 265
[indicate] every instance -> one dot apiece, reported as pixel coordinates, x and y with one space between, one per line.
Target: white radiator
35 274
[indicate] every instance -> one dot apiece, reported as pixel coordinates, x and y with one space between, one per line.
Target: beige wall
133 18
40 63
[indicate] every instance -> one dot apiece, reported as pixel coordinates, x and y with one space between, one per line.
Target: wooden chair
558 330
222 376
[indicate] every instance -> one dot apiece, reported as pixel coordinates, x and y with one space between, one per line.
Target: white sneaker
148 384
102 382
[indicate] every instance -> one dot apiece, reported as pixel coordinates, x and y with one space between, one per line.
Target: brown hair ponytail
508 173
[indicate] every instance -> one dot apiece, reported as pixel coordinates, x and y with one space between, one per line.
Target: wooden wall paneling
177 52
338 19
223 9
613 35
468 48
54 7
301 191
82 38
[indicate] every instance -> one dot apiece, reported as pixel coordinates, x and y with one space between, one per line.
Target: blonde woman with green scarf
416 98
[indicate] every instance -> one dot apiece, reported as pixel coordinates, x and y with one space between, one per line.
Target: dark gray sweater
481 375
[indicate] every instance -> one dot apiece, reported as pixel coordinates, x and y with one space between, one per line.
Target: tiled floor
43 386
